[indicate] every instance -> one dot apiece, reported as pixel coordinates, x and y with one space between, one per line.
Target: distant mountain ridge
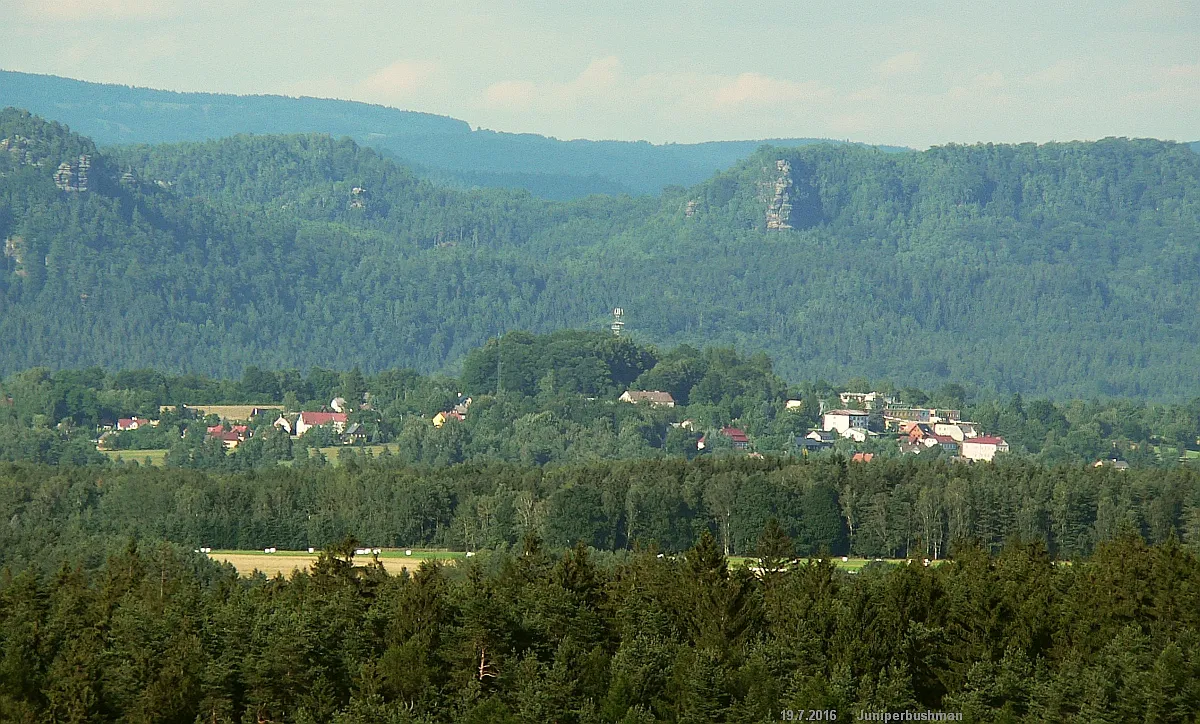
446 149
1067 269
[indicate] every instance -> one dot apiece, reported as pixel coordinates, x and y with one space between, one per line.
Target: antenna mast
617 323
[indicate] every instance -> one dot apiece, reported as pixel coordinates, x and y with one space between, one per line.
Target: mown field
285 562
395 561
157 457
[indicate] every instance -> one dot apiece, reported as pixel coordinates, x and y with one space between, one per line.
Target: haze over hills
1066 269
441 148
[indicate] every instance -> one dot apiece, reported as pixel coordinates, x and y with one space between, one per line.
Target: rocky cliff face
73 176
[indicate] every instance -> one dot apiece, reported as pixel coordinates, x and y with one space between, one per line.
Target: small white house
958 430
857 434
842 420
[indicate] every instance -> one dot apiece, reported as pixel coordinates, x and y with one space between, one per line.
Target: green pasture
156 457
331 453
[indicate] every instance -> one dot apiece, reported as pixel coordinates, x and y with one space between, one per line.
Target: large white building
842 420
983 448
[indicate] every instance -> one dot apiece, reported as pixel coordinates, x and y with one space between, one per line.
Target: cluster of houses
658 398
918 428
300 423
457 413
232 430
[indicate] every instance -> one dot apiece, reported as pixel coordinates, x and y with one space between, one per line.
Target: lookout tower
618 322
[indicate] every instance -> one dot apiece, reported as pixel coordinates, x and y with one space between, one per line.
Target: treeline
901 508
163 636
1054 269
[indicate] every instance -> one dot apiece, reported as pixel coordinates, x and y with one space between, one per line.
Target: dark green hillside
1064 269
445 149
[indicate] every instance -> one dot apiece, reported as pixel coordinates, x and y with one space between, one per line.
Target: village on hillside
859 426
916 429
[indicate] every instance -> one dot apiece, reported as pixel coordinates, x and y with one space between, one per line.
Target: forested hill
1064 269
445 149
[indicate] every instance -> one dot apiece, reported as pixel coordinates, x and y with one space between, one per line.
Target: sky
899 72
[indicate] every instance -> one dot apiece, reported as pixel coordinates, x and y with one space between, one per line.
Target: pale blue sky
903 72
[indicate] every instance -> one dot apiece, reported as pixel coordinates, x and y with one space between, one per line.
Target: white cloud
1156 10
597 82
1183 71
399 81
758 90
1176 86
1060 73
76 10
603 94
510 94
902 64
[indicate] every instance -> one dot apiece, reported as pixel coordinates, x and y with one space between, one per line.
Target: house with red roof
231 437
918 431
739 438
308 420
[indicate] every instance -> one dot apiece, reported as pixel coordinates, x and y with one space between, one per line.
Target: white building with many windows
842 420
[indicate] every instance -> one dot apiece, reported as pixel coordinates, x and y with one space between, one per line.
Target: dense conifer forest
156 634
898 509
1064 269
303 270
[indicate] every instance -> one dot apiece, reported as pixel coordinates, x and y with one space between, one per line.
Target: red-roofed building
443 417
232 436
918 431
739 438
861 457
983 447
130 423
308 420
216 430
